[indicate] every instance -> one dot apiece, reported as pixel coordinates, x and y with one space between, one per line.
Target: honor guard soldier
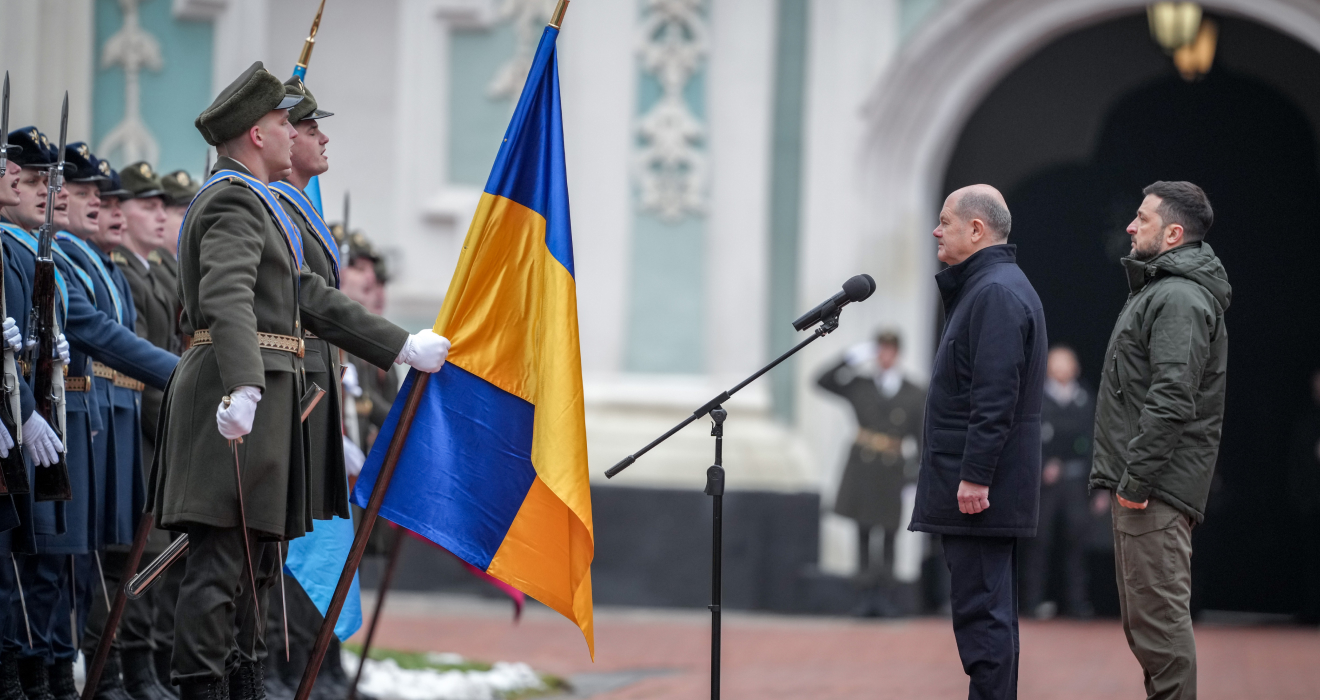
116 448
246 296
889 412
93 335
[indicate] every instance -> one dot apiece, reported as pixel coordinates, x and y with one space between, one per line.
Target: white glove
861 354
353 458
235 420
39 438
350 380
6 442
425 351
13 336
62 349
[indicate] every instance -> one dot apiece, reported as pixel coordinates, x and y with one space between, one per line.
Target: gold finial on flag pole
557 18
309 44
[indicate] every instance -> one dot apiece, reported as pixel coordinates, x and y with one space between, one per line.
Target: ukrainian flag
494 468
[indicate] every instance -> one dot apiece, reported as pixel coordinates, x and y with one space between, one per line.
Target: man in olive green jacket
1159 415
234 402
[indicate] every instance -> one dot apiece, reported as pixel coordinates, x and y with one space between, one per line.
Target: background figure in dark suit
888 409
1067 419
979 485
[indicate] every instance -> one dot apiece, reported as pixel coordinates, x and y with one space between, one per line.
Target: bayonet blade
4 128
347 230
64 129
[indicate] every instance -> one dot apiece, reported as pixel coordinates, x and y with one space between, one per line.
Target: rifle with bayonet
51 483
12 468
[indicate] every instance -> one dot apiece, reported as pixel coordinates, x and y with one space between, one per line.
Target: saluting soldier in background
889 412
246 296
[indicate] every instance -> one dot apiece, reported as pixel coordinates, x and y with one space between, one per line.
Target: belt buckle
302 347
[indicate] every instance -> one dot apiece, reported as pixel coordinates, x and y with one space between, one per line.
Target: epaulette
118 258
154 256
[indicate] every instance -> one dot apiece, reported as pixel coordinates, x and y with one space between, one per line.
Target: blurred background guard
1057 552
1304 497
889 411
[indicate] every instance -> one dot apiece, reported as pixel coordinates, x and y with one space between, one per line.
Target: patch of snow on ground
384 679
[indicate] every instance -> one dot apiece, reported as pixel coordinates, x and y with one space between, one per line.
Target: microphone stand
715 479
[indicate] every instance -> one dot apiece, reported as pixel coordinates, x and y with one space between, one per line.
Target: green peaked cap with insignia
308 108
141 181
242 103
179 187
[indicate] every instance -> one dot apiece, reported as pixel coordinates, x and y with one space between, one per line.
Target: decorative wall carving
670 162
134 48
528 17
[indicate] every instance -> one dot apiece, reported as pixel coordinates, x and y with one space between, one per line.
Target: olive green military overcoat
155 304
237 278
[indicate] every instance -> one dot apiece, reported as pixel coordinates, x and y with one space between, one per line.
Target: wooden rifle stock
51 483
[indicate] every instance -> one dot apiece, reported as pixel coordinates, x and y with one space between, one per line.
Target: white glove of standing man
62 349
6 442
353 458
39 438
235 420
13 336
425 352
861 354
350 380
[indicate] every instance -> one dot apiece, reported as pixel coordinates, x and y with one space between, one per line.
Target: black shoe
111 685
209 689
61 680
140 676
10 687
36 684
247 681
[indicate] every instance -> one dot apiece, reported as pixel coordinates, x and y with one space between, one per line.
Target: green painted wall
786 194
476 121
171 98
911 13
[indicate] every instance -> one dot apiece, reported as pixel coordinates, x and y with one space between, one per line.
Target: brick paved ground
665 654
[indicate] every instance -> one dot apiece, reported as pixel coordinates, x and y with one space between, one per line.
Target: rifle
52 483
14 472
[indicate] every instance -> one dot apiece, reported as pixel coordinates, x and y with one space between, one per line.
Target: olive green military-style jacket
325 446
155 304
237 278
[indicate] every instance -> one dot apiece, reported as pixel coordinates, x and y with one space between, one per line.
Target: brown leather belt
270 341
78 384
309 335
118 378
879 442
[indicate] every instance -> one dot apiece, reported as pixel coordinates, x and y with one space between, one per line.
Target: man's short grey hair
979 205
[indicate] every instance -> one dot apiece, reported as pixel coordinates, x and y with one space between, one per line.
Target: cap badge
104 166
84 151
145 170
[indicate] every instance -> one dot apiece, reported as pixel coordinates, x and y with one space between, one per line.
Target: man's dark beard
1145 254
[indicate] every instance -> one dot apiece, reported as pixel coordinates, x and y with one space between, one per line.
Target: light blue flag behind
316 560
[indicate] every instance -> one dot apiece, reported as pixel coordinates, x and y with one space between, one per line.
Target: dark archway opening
1072 136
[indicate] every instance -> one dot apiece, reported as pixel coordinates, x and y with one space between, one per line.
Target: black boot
111 686
247 681
140 676
61 680
36 684
10 687
209 689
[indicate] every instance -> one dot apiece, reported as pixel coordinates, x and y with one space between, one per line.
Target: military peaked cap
112 186
179 187
141 181
35 148
308 108
240 105
86 167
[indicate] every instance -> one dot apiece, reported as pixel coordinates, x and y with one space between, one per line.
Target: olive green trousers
1153 559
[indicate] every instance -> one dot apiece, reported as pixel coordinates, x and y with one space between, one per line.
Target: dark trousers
1064 517
164 598
46 595
216 625
134 627
304 623
983 596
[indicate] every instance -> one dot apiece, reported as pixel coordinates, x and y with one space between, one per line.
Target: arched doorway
1073 134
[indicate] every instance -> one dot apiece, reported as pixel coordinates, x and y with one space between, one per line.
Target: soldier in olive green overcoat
246 300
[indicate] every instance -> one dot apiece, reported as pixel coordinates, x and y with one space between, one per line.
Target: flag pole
378 490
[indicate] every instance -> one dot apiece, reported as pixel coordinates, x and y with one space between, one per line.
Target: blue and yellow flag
494 468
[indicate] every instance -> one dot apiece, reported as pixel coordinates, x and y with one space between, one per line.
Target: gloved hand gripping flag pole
497 472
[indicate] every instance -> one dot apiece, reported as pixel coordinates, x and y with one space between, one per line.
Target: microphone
855 289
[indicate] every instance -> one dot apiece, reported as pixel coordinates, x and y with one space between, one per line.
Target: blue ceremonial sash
30 242
95 257
299 199
291 235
